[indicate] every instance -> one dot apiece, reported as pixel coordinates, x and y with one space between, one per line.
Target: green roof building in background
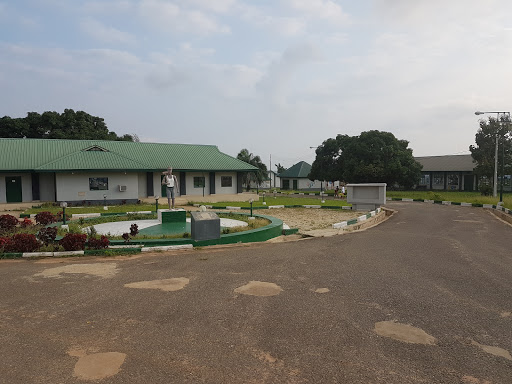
95 170
296 178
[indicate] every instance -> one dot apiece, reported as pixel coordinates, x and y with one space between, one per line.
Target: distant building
451 172
272 180
122 171
296 178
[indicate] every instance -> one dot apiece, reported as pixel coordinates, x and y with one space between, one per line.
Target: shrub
134 230
59 216
47 235
45 218
73 242
126 237
26 222
101 243
485 189
22 242
8 223
3 241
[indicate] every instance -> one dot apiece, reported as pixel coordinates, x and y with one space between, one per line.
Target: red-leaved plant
73 241
95 243
7 223
45 218
22 242
26 222
47 235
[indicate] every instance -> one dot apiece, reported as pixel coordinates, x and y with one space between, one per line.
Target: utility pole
270 173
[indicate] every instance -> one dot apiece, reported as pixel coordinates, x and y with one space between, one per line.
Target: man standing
171 183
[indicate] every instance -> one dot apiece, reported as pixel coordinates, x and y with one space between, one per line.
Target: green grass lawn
455 196
95 208
279 200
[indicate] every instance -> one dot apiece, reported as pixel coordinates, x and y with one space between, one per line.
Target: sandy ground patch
166 285
259 288
104 270
404 332
307 219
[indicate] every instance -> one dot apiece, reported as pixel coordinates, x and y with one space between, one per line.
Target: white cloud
319 9
168 16
108 7
106 34
218 6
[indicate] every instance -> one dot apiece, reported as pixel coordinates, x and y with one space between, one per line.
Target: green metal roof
301 169
75 155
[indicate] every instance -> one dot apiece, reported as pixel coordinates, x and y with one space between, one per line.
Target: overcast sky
273 76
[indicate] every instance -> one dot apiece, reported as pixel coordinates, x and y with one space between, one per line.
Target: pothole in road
404 332
322 290
98 366
166 285
98 269
496 351
259 288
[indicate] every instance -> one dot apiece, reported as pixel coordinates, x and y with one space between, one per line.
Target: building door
468 183
286 184
294 185
13 191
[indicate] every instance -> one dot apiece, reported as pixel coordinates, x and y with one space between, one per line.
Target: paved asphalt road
425 297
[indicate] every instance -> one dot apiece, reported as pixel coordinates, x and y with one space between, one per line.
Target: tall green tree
53 125
257 176
279 168
483 152
371 157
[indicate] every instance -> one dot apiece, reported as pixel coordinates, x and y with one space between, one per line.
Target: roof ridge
82 150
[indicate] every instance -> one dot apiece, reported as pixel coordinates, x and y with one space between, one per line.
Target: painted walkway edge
359 219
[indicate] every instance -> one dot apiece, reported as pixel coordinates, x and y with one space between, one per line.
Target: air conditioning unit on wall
122 188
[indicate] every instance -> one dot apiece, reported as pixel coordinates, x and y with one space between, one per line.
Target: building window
199 182
452 181
425 179
98 183
438 179
226 181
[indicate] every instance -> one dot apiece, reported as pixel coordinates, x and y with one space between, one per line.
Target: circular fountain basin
155 227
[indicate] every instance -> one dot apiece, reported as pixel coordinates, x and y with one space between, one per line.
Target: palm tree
257 176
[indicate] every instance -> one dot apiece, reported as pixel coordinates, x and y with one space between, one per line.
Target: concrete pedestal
204 226
366 197
172 215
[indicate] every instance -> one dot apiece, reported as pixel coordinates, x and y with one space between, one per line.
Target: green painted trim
110 214
290 231
274 229
351 221
331 207
23 215
455 203
16 255
477 205
112 251
396 199
438 202
419 200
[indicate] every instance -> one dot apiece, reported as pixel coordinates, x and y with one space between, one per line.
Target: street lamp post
495 189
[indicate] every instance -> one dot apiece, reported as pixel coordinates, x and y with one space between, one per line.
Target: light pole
495 189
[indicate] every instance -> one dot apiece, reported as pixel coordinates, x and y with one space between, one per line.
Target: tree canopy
371 157
53 125
257 176
280 168
483 152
